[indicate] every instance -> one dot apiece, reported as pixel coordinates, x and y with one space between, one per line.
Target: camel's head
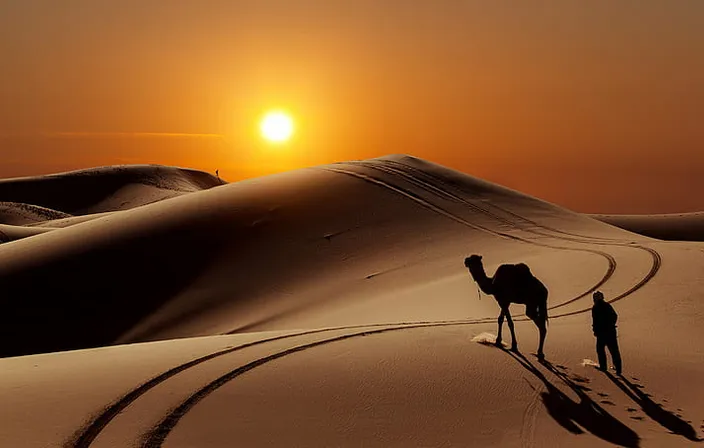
473 260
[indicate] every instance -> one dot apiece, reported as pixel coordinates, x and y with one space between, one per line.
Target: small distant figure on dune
513 283
217 173
604 319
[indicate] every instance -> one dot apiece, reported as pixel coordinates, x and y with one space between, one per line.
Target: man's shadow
573 415
653 410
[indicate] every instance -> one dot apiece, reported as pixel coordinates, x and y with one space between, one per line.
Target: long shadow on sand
653 410
575 415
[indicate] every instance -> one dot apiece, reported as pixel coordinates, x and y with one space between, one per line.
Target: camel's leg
543 332
501 324
509 321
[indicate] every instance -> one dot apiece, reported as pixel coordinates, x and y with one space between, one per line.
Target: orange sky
593 105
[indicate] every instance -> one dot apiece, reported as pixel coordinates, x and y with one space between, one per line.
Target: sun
277 127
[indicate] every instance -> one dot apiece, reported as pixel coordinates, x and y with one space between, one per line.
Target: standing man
604 326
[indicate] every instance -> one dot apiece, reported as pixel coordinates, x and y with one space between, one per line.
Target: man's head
598 296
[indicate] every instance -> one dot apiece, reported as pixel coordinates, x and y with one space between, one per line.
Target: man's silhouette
604 325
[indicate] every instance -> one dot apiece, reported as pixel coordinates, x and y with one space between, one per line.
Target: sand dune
95 190
329 306
674 227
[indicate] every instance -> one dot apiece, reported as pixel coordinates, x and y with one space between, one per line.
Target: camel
513 283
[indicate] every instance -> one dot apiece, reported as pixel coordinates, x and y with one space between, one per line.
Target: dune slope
330 306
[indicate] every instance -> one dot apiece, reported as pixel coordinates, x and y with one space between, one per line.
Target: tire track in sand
85 436
157 435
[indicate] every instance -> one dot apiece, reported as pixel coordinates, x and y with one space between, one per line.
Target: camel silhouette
513 283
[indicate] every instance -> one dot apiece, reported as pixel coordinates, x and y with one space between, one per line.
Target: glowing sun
277 127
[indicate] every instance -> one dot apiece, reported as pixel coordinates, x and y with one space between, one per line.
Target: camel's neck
485 283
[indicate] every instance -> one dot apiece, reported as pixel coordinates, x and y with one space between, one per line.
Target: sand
671 227
329 306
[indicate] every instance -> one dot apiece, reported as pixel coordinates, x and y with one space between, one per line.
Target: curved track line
157 435
657 262
90 431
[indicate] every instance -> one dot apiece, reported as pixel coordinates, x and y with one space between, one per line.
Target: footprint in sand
636 417
610 403
631 409
601 394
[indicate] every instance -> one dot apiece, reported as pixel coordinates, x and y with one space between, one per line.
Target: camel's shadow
653 410
577 416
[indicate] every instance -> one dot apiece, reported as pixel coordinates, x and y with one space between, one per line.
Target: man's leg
615 353
601 352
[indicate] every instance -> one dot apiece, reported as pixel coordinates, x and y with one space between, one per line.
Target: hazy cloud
128 135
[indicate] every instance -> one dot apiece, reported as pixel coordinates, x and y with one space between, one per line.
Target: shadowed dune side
89 294
96 190
672 227
19 214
